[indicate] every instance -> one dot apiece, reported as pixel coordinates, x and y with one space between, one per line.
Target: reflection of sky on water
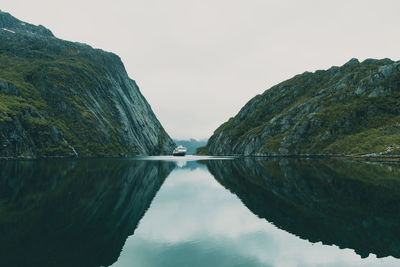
194 221
182 161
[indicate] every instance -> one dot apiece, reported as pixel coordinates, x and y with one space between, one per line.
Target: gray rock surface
352 109
59 98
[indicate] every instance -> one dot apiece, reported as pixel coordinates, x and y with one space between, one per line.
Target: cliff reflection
73 213
350 204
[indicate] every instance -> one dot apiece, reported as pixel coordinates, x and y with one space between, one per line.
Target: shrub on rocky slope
59 98
352 109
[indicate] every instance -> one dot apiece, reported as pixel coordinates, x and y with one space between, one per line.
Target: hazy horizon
198 62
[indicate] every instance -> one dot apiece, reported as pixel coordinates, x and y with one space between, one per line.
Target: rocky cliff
59 98
353 109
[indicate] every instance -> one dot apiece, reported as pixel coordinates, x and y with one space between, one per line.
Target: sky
197 62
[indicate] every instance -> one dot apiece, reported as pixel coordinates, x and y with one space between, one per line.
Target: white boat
179 151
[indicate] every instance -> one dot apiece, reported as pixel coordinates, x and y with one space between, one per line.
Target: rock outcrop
59 98
353 109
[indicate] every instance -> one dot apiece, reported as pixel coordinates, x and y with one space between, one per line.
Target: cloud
199 62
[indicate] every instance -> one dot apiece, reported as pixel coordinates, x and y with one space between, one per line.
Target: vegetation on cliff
353 109
59 98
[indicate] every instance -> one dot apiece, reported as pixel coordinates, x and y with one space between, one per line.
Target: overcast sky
198 62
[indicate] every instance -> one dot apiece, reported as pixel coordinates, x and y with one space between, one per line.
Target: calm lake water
199 211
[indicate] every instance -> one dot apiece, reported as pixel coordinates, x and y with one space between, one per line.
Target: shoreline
375 158
64 157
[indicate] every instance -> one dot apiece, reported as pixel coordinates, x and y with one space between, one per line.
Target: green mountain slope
352 109
59 98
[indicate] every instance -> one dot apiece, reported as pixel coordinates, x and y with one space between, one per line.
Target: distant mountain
59 98
352 109
191 144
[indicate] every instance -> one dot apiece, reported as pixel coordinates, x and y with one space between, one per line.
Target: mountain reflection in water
87 212
349 204
73 213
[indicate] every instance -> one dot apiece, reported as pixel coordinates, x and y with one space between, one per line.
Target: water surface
199 211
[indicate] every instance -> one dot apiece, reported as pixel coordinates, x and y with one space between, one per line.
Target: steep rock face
59 98
352 109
